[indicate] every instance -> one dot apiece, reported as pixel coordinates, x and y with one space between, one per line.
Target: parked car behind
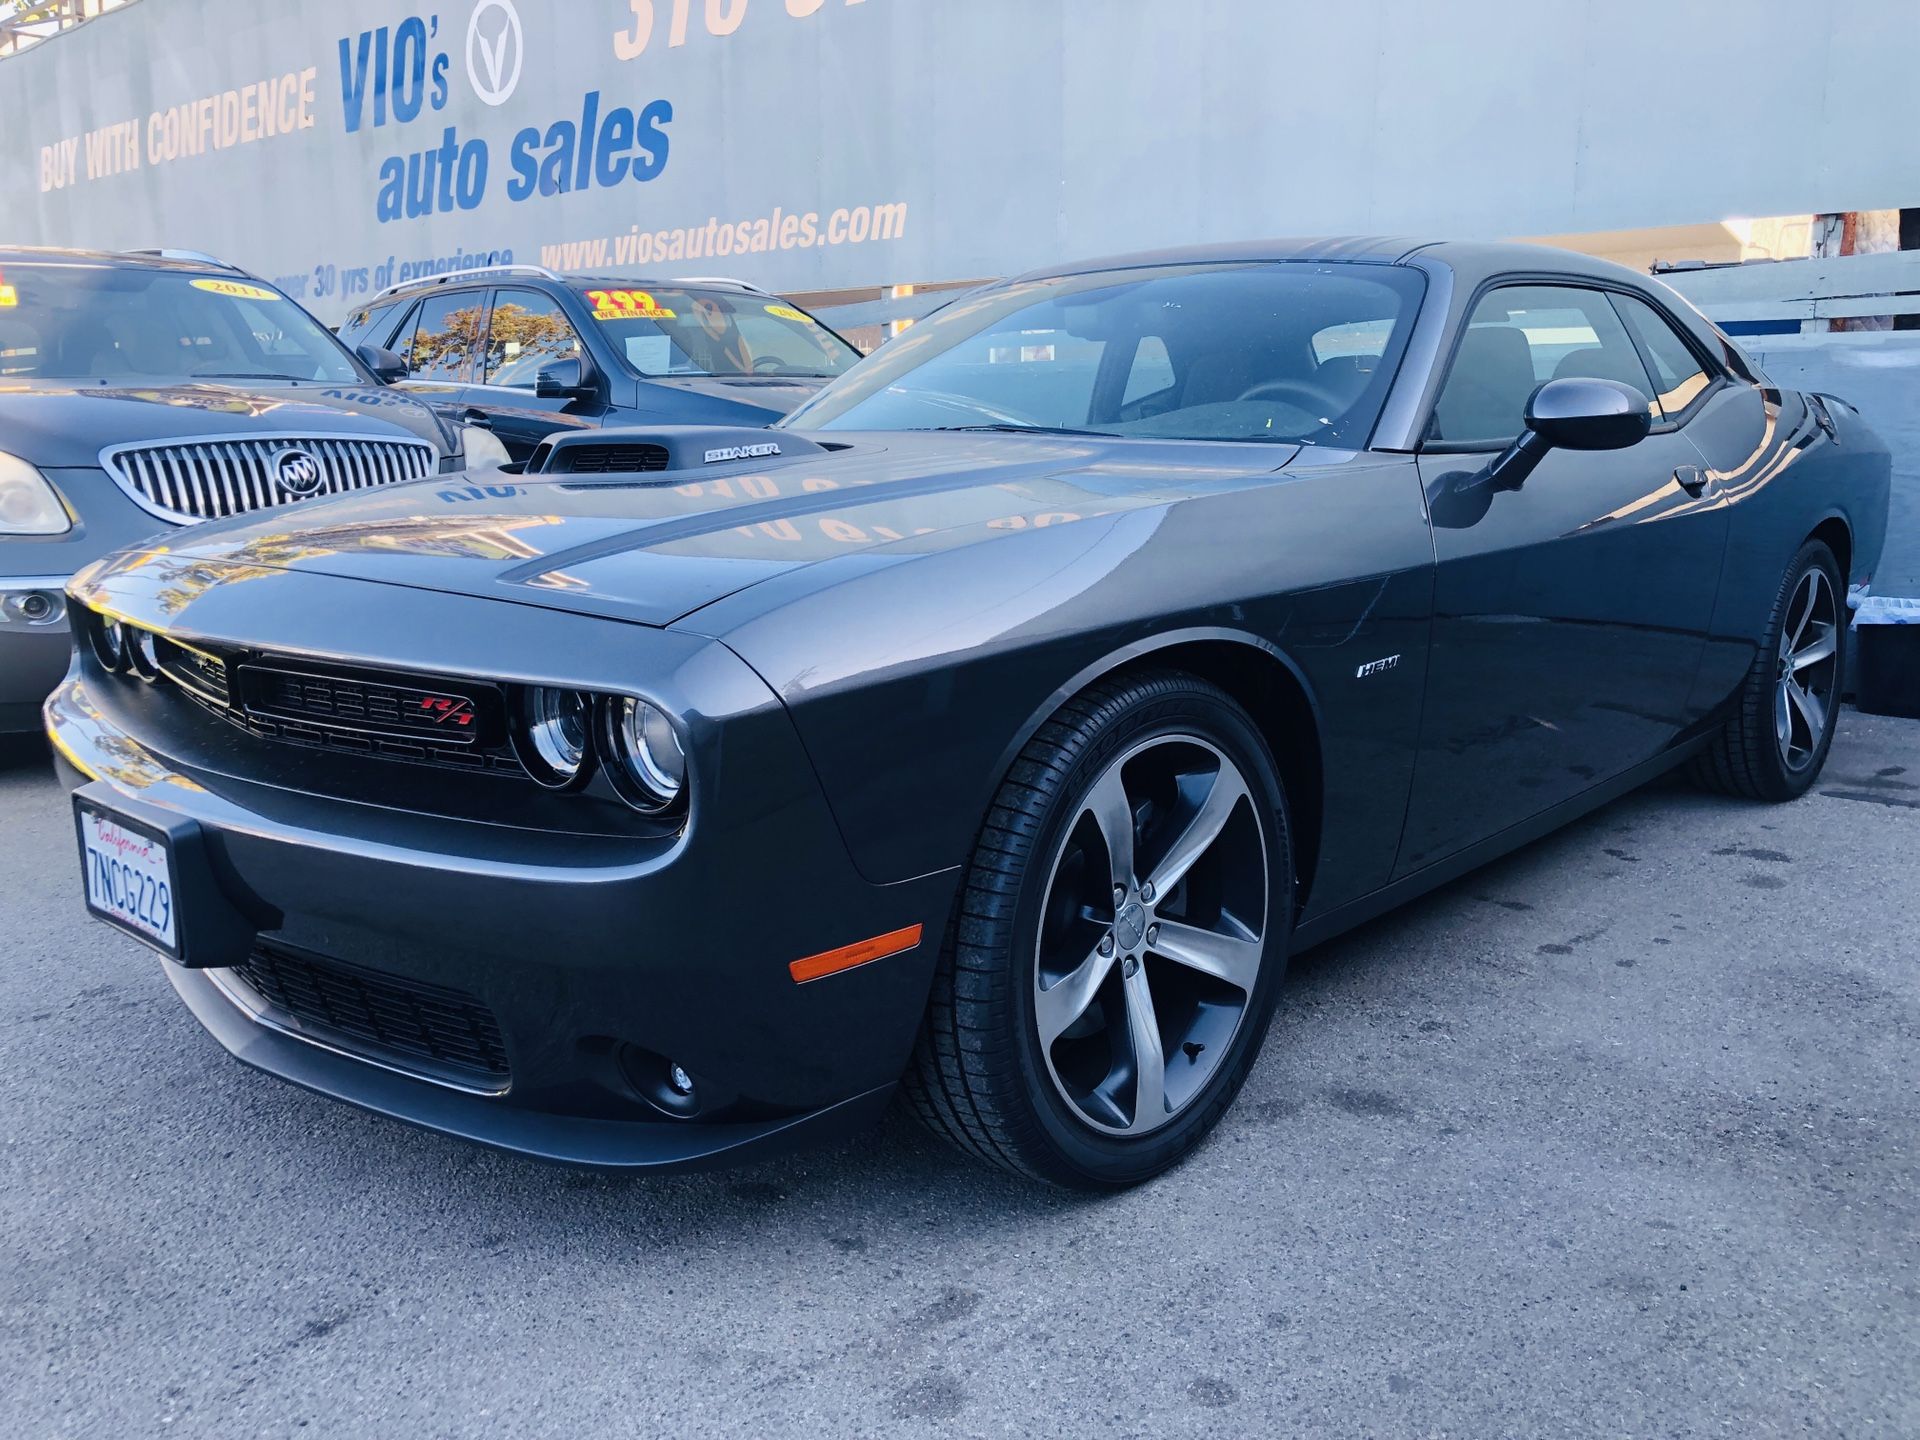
144 391
527 352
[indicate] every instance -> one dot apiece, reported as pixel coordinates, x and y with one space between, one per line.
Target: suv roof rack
198 257
469 273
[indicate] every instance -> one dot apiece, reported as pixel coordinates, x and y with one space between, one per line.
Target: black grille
608 459
382 1016
442 715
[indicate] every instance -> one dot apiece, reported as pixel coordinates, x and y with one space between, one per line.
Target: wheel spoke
1821 647
1783 717
1813 713
1810 593
1232 958
1226 793
1065 1001
1149 1064
1111 810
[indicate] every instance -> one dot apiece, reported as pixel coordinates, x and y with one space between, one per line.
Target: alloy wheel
1151 935
1804 696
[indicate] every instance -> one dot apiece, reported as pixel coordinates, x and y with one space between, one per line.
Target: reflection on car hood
654 548
52 426
771 395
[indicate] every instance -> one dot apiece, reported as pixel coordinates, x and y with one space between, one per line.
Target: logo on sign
495 49
298 472
741 452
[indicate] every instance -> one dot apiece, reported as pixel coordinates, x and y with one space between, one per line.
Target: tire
1769 748
1183 755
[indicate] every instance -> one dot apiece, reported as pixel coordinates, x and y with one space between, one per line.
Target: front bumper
33 651
598 955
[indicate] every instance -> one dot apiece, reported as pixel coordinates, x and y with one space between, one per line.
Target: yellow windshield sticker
626 305
235 290
9 297
787 312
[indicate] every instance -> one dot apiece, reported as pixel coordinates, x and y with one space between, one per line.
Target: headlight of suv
644 758
28 503
483 447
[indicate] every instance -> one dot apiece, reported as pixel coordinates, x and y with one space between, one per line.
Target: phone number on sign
722 18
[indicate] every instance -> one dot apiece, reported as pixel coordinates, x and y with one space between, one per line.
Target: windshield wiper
241 375
1010 429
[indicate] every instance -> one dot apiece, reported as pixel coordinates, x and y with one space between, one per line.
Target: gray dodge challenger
992 730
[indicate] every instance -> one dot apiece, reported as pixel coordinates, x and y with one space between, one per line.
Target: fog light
36 606
649 767
141 651
681 1081
109 643
551 736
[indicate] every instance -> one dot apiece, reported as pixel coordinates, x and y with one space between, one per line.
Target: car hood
65 425
654 548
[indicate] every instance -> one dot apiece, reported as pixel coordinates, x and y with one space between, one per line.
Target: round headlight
650 768
140 649
109 642
552 735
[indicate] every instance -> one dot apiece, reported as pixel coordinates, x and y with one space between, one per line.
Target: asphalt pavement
1618 1136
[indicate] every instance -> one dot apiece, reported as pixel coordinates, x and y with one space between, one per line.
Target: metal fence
25 23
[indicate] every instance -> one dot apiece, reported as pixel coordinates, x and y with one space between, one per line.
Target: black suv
149 390
527 352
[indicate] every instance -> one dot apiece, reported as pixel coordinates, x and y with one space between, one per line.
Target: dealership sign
811 144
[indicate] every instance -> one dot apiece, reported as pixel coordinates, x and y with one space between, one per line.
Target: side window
446 335
363 320
525 332
1152 370
1678 374
1519 337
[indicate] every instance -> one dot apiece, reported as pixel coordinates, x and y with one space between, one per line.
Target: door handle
472 415
1694 480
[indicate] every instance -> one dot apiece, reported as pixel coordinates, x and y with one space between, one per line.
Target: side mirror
1573 414
386 366
563 380
1580 414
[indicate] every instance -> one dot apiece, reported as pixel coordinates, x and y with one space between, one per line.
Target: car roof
118 259
1471 260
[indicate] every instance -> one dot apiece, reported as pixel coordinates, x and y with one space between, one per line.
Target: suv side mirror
1573 414
564 380
386 366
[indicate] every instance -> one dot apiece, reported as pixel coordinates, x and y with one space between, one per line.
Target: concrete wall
815 144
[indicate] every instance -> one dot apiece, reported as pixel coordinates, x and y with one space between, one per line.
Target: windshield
716 332
1292 351
112 323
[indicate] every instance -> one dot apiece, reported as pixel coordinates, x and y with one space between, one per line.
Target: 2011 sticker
787 312
233 289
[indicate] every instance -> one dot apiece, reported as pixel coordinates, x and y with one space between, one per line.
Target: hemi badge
742 452
1376 667
832 962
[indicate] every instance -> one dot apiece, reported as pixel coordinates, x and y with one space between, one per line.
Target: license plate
129 875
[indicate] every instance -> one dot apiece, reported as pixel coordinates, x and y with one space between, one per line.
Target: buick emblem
297 471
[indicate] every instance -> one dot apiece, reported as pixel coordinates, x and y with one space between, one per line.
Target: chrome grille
187 480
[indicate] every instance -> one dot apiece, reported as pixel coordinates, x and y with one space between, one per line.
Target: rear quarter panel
1782 475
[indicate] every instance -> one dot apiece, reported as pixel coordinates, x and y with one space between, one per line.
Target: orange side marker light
847 957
